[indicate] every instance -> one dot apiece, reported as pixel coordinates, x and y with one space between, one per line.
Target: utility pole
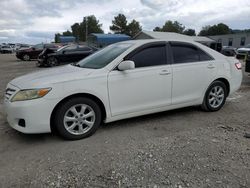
86 32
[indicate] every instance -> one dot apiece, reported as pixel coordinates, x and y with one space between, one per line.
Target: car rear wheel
52 61
215 97
26 57
77 118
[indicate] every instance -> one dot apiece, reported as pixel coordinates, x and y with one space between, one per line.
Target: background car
66 54
228 51
6 49
242 52
247 67
33 52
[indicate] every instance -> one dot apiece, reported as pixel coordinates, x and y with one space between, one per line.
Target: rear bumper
236 82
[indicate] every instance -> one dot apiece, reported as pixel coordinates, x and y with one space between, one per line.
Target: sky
35 21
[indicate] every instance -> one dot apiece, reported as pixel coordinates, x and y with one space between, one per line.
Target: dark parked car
247 67
228 51
243 52
34 51
66 54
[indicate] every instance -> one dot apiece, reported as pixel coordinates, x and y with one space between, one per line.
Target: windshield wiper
75 64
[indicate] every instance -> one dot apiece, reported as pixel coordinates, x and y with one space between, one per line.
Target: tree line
120 25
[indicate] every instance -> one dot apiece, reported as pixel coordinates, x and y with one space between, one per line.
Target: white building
235 40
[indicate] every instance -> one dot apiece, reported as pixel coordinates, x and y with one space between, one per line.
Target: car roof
144 41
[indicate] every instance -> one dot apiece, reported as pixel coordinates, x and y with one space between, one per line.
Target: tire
52 61
26 57
215 97
70 122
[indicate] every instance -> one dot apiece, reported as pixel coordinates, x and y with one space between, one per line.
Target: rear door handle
211 66
165 72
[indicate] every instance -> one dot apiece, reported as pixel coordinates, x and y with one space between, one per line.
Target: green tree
204 30
170 26
93 27
157 29
67 33
79 29
119 24
57 35
133 28
76 31
219 29
190 32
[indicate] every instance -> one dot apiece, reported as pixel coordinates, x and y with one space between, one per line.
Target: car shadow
123 124
154 118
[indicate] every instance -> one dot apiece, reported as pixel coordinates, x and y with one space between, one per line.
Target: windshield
103 57
63 47
68 47
38 46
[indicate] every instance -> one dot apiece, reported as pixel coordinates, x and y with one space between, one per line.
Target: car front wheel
215 97
52 61
26 57
78 118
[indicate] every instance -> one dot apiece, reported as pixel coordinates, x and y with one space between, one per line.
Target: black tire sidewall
55 61
208 106
63 109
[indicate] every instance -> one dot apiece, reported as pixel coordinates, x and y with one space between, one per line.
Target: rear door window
187 53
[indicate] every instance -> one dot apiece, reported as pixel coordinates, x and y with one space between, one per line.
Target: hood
24 49
50 76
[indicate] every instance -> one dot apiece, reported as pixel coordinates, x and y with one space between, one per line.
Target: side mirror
126 65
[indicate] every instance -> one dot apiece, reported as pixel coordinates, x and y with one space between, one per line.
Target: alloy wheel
216 96
79 119
26 57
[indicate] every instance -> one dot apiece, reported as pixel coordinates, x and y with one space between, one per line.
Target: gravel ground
180 148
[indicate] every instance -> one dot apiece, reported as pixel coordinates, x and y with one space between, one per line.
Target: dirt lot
180 148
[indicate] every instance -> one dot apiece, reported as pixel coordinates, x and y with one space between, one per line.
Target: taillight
238 65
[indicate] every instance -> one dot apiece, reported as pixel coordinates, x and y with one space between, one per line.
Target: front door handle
165 72
211 66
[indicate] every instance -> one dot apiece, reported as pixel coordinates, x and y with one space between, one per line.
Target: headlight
30 94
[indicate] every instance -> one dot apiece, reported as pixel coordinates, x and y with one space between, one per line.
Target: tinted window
188 53
204 56
84 48
50 46
39 46
242 41
151 56
70 48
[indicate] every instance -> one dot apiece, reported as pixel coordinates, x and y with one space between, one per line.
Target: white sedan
121 81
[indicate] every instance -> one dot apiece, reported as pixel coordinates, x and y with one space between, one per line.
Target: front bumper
19 56
36 114
40 62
